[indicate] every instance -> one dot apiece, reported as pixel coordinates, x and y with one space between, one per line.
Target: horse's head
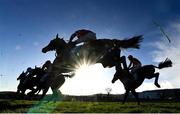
54 44
21 76
115 78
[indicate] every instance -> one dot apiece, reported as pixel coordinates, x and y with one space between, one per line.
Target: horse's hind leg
136 96
156 75
125 97
45 90
56 85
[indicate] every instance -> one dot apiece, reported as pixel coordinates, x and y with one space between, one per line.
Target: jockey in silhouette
134 65
27 74
82 35
47 67
28 71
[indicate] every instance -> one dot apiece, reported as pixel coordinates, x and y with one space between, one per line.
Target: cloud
18 47
172 51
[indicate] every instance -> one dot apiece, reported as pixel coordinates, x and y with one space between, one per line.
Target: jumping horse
96 51
145 72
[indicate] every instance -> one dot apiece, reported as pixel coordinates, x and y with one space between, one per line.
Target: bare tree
108 90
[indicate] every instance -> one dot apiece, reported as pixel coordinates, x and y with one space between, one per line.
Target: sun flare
88 79
85 69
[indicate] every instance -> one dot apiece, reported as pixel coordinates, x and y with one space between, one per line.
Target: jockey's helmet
29 69
130 56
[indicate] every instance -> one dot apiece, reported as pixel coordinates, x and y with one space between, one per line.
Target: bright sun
88 79
89 71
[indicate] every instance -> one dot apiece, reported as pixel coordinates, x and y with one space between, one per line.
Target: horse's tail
164 64
133 42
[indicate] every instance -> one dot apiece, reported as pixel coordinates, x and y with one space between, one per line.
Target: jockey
47 67
82 35
28 71
27 74
134 65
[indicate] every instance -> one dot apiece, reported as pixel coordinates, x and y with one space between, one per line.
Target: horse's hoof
157 85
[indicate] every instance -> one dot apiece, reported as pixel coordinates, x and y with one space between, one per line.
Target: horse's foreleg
22 94
156 75
56 91
125 97
136 96
32 92
17 93
123 61
56 94
45 90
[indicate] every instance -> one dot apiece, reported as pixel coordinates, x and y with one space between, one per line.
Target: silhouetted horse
26 83
43 80
146 71
93 52
33 82
39 73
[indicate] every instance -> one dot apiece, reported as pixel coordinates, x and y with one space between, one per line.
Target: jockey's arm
130 68
72 37
130 65
45 66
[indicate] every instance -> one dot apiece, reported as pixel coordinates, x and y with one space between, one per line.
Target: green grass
22 106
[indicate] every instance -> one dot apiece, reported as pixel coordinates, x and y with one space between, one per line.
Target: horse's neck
62 52
125 75
22 79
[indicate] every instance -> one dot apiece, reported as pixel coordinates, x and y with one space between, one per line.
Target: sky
26 26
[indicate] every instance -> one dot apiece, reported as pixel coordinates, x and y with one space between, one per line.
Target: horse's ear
57 36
